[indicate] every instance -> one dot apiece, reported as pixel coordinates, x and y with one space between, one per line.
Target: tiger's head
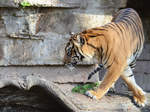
72 53
77 50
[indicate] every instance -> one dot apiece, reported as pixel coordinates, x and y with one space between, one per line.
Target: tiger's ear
71 33
79 41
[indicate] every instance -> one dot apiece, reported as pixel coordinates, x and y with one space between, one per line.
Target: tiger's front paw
92 94
140 101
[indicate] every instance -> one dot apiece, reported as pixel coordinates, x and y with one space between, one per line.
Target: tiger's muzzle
71 66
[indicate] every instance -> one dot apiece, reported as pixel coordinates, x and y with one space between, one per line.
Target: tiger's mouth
71 66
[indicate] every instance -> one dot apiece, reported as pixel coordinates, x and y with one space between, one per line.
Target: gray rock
58 74
48 78
38 36
39 3
9 3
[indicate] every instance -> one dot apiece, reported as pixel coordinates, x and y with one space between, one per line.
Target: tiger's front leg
111 77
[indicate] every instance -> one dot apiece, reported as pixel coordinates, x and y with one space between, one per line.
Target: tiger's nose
74 63
66 60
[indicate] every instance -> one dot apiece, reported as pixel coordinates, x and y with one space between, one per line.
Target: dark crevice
143 8
36 99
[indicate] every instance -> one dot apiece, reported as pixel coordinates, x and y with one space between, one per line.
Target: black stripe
131 75
81 56
121 34
92 46
92 36
100 67
138 32
107 58
104 58
99 29
102 54
76 55
109 65
95 35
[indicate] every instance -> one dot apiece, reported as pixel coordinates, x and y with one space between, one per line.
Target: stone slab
22 46
30 38
39 3
62 75
65 3
48 78
8 3
58 74
37 36
109 103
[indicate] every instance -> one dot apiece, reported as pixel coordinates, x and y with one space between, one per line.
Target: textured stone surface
59 74
110 103
146 25
8 3
37 36
65 3
56 81
145 56
41 3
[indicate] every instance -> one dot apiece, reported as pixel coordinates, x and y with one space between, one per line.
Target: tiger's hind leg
138 94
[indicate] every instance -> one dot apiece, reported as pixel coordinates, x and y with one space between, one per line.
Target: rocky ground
121 102
39 100
39 91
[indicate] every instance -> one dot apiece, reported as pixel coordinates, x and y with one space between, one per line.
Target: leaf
76 89
25 4
82 91
83 88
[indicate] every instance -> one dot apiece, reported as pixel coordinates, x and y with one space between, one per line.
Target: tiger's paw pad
91 94
141 102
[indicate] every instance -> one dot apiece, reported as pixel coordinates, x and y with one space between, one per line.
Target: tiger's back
126 27
130 30
116 46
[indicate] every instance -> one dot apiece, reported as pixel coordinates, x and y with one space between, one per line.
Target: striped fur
116 46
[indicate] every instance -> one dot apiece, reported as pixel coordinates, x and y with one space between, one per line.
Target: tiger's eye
68 53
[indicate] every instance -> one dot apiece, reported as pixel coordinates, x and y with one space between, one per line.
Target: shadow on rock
145 109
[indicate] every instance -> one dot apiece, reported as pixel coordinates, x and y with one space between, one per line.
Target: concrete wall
37 36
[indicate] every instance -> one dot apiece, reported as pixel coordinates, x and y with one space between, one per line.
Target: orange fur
113 45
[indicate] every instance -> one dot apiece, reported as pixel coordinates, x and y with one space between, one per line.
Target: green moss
25 4
14 14
83 88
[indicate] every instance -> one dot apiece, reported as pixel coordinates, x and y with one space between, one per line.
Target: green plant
83 88
25 4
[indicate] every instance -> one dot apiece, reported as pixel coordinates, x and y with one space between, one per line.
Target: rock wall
142 7
36 36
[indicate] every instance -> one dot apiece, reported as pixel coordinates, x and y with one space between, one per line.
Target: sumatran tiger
115 46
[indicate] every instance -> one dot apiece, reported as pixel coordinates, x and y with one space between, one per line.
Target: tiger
115 46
